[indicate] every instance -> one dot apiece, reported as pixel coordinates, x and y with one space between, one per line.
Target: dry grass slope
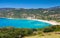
47 35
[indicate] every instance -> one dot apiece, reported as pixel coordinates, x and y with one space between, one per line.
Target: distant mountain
54 8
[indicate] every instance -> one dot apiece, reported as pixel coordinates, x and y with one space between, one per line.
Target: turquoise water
22 23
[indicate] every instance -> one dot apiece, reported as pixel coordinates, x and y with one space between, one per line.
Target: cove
22 23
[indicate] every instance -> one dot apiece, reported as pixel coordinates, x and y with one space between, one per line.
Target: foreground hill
46 35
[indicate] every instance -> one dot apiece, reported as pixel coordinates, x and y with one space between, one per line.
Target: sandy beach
50 22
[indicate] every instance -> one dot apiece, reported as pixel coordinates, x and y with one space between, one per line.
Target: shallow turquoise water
22 23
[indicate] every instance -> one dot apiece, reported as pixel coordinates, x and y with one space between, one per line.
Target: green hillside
52 13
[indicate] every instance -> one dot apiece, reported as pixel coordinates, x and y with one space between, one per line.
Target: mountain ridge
40 13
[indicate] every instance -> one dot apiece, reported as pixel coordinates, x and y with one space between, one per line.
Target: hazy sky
29 3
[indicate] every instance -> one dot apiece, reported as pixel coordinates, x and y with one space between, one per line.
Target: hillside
52 13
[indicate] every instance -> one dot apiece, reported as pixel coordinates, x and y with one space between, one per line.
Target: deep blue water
22 23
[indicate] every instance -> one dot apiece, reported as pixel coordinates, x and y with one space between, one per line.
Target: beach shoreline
53 22
50 22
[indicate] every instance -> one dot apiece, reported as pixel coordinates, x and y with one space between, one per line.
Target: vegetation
52 13
15 32
19 33
40 13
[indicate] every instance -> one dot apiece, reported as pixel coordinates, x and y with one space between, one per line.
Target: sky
29 3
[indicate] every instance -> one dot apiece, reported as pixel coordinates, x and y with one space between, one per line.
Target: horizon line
30 8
